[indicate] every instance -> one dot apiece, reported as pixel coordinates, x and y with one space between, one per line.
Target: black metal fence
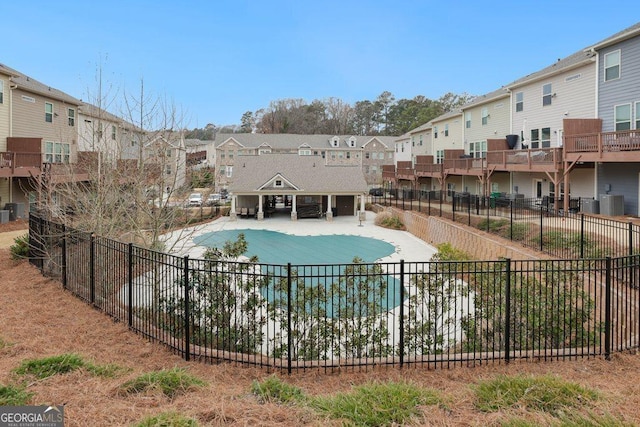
296 317
534 223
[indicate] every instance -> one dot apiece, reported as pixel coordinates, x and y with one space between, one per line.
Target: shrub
446 252
388 220
20 248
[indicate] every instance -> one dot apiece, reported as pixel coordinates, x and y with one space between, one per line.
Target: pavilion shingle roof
308 173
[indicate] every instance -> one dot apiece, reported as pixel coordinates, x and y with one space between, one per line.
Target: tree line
385 115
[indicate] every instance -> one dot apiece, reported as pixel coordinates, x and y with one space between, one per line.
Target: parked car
195 199
376 192
213 199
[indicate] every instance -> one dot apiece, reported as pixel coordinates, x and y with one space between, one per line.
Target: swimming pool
272 247
275 248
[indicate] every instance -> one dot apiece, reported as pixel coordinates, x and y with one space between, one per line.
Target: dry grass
39 319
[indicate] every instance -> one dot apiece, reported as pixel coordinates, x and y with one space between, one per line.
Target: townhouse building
39 138
370 153
566 131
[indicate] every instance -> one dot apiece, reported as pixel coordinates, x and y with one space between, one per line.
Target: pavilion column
294 212
233 215
329 213
260 213
362 215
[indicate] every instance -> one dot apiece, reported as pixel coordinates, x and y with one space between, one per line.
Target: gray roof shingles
308 173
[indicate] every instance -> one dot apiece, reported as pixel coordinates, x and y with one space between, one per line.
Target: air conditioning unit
590 206
612 204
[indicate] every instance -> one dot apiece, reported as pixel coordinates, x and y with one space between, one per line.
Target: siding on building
29 120
624 90
623 179
574 98
498 123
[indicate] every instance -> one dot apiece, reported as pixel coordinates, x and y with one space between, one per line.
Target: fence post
289 337
607 311
187 313
92 268
630 238
541 234
130 290
469 209
64 257
429 203
401 349
488 211
453 206
511 219
507 326
582 235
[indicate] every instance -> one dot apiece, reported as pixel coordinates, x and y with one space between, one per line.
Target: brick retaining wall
477 243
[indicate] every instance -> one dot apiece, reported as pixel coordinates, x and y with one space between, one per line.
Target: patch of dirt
12 229
40 319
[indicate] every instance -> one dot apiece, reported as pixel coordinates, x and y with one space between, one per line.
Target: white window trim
637 115
485 116
71 115
615 116
547 94
46 113
1 92
618 64
467 121
521 102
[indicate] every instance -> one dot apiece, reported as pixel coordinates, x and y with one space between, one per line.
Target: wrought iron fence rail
351 316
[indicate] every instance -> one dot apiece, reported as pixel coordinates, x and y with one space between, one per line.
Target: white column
232 214
260 214
329 211
294 212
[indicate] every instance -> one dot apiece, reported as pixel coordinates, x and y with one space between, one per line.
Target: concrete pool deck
407 247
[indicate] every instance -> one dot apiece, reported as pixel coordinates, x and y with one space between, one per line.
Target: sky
214 60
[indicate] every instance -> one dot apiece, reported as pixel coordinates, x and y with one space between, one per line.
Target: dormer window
352 141
277 183
335 141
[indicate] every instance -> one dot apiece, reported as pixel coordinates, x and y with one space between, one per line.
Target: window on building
374 169
535 138
1 92
113 132
435 131
167 169
374 155
623 117
230 155
519 101
467 120
229 171
48 112
440 157
222 156
413 142
637 115
304 152
71 114
485 116
324 154
446 130
478 149
278 183
264 151
223 170
612 65
546 137
420 141
349 154
546 94
56 152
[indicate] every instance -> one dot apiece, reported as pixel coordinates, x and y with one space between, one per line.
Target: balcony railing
534 159
19 164
428 169
605 142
